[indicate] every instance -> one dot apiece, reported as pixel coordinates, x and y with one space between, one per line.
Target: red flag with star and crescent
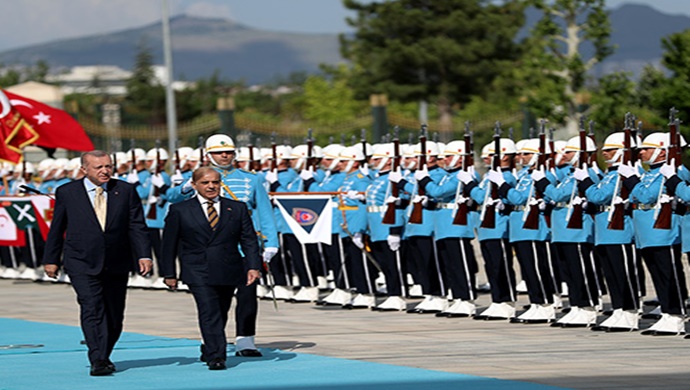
24 121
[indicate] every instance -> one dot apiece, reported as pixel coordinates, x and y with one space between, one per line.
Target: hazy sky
29 22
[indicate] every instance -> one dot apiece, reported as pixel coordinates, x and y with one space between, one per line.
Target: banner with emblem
309 216
18 213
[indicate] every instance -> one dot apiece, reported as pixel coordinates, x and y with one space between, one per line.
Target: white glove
667 170
177 178
578 200
271 176
423 199
420 174
627 170
393 242
133 178
665 198
464 177
157 180
357 240
619 200
364 169
538 202
496 177
395 176
306 174
152 200
269 252
187 186
3 172
392 199
461 199
354 195
538 174
580 174
497 202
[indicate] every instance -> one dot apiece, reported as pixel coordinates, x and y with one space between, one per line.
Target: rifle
551 159
664 211
592 156
155 191
616 215
115 166
531 214
311 160
201 150
389 216
133 168
575 212
363 140
460 217
488 215
177 156
274 152
417 208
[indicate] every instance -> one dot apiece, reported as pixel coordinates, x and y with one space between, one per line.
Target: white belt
376 209
451 206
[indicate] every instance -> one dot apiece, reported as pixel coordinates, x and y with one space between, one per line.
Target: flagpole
169 93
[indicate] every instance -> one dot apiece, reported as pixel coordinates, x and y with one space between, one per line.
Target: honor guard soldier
46 172
332 180
493 238
385 236
660 245
573 244
529 235
421 249
156 203
613 235
453 236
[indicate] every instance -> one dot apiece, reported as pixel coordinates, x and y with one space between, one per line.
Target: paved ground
576 358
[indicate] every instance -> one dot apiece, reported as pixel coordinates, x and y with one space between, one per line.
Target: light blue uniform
161 205
377 192
645 196
478 194
561 194
601 194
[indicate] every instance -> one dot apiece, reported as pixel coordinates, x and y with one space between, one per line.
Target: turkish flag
55 128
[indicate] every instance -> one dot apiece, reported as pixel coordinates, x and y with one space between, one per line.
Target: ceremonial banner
20 213
52 127
309 216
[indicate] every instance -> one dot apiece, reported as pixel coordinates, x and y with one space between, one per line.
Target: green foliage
436 51
145 101
554 67
330 102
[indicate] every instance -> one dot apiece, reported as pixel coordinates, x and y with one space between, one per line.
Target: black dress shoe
618 330
216 364
650 316
248 353
413 311
101 369
687 336
110 365
456 315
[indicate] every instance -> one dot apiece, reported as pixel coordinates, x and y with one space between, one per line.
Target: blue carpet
46 356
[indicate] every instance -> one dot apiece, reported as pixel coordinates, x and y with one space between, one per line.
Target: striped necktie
212 215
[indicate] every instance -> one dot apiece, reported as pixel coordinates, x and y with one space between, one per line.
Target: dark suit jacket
206 256
87 248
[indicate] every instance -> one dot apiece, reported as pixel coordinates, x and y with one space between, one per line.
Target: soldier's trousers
392 266
280 265
459 266
335 259
619 263
305 270
498 263
362 272
666 269
422 252
577 265
536 270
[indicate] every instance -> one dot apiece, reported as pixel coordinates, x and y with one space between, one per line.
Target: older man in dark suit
98 235
206 232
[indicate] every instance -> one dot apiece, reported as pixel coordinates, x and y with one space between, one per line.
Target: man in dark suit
98 230
206 232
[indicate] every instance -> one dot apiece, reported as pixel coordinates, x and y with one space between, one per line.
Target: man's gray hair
93 153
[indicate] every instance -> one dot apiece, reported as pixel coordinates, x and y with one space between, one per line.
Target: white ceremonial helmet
369 148
332 151
616 141
29 168
385 152
455 149
519 144
75 163
532 146
243 154
299 153
431 149
658 141
441 149
573 145
560 150
507 147
151 156
218 143
60 165
121 158
45 167
408 152
139 155
184 152
351 154
283 152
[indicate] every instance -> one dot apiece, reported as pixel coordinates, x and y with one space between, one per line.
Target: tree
439 51
673 91
330 102
145 96
555 65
